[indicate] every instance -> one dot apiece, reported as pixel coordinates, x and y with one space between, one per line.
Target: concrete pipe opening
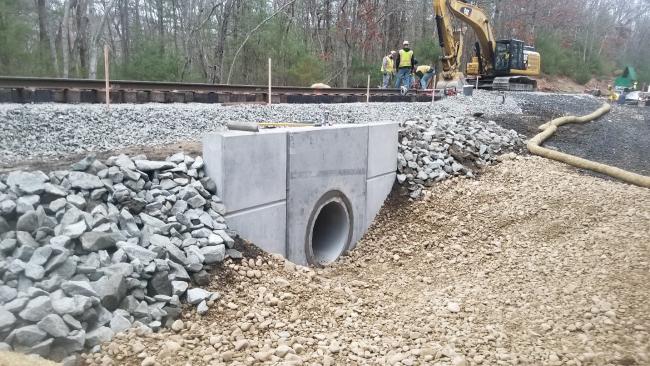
330 229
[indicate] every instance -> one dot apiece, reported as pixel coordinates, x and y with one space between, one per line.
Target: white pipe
243 126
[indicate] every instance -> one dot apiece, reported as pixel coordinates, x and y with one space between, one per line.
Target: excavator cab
508 55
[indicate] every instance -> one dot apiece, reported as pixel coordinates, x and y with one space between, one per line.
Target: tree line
337 42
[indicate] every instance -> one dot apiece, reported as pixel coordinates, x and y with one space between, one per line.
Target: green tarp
627 79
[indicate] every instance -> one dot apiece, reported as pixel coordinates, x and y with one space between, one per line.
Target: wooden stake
433 88
269 81
368 90
108 95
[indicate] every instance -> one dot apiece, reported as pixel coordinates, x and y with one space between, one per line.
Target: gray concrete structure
308 193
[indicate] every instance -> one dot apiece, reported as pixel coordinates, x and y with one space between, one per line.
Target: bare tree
96 34
65 39
248 36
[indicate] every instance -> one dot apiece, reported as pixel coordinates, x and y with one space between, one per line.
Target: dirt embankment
559 84
531 264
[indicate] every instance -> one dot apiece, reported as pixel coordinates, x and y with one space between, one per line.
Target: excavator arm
480 24
451 41
505 64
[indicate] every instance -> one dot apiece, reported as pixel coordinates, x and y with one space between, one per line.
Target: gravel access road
530 264
620 138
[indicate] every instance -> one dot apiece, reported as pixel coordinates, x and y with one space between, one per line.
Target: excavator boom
451 41
505 60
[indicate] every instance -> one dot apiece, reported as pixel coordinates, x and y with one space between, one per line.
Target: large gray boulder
54 325
16 304
27 222
196 295
42 348
7 207
149 165
73 342
83 288
41 255
160 284
98 336
7 319
26 239
7 294
83 164
75 230
214 254
34 271
179 288
26 336
111 290
93 241
83 180
37 308
4 225
27 182
124 161
144 255
119 323
73 306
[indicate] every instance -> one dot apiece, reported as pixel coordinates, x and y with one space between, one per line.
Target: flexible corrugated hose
549 128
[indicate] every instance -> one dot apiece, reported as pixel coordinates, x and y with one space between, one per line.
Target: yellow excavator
498 64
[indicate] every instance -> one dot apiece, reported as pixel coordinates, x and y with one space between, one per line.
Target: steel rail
17 82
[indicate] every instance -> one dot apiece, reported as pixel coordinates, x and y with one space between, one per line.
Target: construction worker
405 63
425 73
613 96
388 69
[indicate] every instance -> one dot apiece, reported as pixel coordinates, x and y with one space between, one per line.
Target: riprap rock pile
443 146
89 252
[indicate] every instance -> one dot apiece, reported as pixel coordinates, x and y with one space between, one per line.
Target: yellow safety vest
390 65
405 58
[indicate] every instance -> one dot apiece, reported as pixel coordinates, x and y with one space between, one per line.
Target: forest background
337 42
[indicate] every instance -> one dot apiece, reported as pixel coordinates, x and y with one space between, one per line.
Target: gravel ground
620 138
50 132
531 264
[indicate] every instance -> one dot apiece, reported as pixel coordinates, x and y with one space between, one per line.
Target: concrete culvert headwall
307 193
329 230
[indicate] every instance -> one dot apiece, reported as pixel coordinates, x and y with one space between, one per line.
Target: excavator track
506 83
514 83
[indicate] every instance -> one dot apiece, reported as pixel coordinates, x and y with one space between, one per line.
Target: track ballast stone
90 252
49 131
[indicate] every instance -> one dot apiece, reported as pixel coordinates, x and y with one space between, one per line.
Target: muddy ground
620 138
156 152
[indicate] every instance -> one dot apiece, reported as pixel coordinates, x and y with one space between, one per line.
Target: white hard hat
406 43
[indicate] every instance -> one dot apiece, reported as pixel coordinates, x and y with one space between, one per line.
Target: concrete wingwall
307 193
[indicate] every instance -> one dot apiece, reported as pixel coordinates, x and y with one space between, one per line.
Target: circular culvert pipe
329 229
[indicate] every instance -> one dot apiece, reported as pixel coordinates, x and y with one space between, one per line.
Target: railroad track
43 90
